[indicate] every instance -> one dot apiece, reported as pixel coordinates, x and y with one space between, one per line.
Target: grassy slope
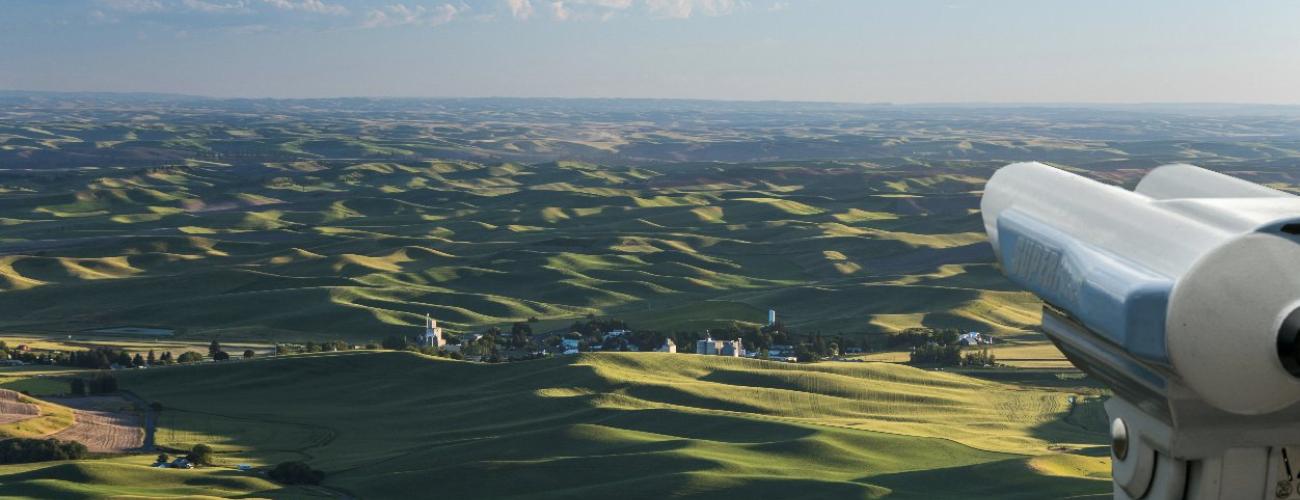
363 251
640 425
131 477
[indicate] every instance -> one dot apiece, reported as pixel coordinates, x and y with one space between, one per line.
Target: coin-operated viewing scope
1183 296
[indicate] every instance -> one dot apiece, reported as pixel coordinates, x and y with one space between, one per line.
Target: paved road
150 420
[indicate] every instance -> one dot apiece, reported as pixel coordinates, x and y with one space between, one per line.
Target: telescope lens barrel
1288 343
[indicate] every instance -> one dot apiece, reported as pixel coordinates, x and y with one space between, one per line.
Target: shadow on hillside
719 428
1084 422
1007 479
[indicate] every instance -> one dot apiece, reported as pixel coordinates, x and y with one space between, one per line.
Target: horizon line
145 93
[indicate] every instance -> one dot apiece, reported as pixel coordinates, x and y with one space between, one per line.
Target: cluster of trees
937 354
103 358
940 347
200 454
916 337
981 357
24 450
296 472
330 346
102 383
218 354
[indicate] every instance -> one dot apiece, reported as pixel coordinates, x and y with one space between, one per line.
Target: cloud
132 6
564 10
682 9
402 15
521 9
314 6
215 7
559 11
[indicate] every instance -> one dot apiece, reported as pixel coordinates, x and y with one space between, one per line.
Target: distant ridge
653 103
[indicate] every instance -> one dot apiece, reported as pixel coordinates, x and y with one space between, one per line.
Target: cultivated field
307 222
641 425
161 225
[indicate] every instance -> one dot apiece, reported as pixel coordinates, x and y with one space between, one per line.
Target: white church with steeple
432 333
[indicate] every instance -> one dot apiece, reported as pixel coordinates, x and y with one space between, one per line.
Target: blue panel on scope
1122 301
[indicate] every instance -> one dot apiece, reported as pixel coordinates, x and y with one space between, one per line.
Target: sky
900 51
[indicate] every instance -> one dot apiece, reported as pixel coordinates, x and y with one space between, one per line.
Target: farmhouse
973 338
669 346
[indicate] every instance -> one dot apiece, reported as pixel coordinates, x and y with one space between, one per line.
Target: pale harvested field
105 432
11 410
1026 355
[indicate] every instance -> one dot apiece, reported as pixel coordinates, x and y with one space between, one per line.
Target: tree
151 360
103 383
248 354
200 454
162 459
138 360
394 342
296 472
802 353
123 359
25 450
519 334
166 358
78 387
214 348
221 356
189 357
819 345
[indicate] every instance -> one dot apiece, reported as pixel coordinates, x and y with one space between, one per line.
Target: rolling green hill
363 250
388 424
132 478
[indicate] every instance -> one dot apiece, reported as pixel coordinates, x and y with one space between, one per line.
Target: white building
669 346
432 334
771 317
710 347
972 338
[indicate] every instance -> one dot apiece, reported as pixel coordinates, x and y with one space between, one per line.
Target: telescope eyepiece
1288 343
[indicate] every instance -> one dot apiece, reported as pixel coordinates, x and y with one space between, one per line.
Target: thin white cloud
564 10
682 9
521 9
559 11
132 6
403 15
314 6
215 7
604 10
608 4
